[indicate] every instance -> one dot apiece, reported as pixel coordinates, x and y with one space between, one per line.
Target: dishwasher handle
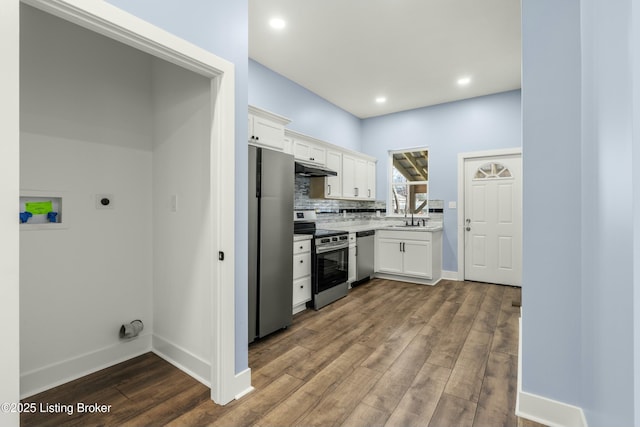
365 233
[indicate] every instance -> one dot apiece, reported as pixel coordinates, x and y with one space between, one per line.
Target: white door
493 219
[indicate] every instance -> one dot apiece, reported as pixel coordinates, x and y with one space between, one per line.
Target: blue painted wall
221 27
579 289
552 200
309 113
477 124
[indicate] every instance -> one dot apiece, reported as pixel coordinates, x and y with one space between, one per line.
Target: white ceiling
411 51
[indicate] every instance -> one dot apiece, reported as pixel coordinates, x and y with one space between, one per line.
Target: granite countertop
301 237
381 225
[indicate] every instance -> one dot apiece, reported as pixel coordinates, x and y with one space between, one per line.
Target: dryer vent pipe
131 330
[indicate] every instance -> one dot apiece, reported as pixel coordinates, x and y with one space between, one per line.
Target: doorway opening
114 108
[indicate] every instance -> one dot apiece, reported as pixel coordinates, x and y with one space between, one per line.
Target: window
492 171
409 182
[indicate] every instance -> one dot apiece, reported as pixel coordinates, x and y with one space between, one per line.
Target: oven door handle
332 248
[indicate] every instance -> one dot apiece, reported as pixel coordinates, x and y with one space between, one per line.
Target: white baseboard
243 383
450 275
408 279
53 375
182 359
543 410
549 412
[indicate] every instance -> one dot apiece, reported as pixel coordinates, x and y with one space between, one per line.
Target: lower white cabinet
409 253
301 275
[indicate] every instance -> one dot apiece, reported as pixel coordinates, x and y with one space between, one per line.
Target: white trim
462 157
408 279
243 383
257 111
541 409
110 21
53 375
549 412
9 225
182 359
449 275
389 179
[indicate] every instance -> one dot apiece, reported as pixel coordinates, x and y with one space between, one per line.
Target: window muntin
492 170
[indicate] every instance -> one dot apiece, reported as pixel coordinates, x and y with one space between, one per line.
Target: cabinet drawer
301 265
301 290
301 246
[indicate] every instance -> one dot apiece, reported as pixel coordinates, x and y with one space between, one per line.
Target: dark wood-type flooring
391 353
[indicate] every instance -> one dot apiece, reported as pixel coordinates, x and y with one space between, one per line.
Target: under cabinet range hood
308 169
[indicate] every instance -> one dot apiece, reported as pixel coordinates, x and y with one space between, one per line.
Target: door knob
468 228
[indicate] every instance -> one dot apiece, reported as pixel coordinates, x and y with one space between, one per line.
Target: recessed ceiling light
381 99
463 81
277 23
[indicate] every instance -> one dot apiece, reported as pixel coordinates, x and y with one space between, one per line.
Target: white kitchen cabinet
266 129
389 255
308 151
412 254
352 259
358 177
349 189
416 257
301 274
333 184
371 180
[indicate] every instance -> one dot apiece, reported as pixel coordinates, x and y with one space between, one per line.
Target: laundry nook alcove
129 145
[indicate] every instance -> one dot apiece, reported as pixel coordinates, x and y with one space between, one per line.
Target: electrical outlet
104 201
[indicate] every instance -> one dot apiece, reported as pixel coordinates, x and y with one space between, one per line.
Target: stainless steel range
330 259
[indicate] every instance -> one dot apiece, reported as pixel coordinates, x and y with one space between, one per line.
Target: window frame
390 198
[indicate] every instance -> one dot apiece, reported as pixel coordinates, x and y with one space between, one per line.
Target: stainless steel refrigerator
271 188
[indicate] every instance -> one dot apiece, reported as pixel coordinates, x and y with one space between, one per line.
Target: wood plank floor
389 354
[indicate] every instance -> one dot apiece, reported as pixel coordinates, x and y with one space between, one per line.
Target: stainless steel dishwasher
364 255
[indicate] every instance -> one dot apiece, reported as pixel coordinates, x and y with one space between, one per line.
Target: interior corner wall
635 57
609 362
221 27
483 123
309 114
552 239
182 218
85 130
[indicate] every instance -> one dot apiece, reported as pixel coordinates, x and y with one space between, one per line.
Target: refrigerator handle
258 172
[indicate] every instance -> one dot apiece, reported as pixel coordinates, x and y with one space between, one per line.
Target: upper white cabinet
307 149
333 184
371 180
267 129
358 177
349 185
